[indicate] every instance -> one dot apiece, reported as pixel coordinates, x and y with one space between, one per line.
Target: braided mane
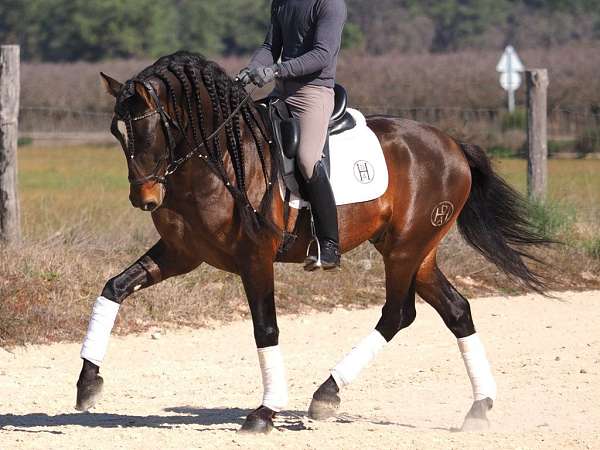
194 73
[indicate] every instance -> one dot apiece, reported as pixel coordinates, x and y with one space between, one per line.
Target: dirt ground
192 388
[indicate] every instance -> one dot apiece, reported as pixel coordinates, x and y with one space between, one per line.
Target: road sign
510 81
509 67
510 61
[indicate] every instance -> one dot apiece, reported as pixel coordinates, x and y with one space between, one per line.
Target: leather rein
168 123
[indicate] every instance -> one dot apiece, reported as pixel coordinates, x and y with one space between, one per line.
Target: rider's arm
270 52
327 41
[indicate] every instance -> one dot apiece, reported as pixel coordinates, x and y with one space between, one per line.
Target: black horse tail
495 222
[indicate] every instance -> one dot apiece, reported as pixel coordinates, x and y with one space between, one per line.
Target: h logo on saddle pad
364 172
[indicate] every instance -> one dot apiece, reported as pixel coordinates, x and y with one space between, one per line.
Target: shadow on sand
204 419
209 417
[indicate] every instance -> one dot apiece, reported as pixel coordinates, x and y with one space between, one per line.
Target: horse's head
143 127
186 110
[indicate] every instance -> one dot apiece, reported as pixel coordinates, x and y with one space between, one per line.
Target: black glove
244 76
262 75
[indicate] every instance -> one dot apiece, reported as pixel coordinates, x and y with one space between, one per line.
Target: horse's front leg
158 264
257 278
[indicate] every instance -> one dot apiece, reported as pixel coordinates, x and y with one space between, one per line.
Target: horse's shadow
203 419
230 418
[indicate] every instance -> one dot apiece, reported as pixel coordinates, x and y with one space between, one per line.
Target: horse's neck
257 176
253 166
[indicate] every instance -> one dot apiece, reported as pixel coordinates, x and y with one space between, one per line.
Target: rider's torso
297 20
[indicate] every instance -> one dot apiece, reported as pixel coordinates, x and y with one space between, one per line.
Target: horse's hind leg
397 313
455 311
159 263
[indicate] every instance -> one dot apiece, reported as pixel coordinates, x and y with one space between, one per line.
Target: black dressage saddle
285 130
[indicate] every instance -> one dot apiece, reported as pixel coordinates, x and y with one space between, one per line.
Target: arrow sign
509 67
510 81
510 61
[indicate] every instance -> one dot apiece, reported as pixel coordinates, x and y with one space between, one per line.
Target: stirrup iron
309 264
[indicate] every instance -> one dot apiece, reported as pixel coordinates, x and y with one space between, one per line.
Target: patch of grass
81 187
570 182
499 152
592 247
588 142
553 219
516 120
556 147
24 141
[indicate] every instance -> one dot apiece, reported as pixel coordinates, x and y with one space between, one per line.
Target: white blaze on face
123 130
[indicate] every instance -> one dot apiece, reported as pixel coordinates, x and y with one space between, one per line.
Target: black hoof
259 421
476 419
88 393
320 410
325 402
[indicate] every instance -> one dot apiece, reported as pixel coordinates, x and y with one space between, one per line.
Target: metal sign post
510 68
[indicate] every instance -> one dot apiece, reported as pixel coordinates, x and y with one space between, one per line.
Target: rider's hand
244 76
262 75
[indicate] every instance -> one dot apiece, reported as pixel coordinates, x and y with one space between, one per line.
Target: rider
300 52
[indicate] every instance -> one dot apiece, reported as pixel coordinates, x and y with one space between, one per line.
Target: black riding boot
322 203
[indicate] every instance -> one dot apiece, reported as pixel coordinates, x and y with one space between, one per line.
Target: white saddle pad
358 169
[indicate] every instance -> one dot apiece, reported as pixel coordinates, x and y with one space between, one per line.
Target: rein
168 123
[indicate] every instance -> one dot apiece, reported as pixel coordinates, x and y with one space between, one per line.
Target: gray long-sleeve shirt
306 35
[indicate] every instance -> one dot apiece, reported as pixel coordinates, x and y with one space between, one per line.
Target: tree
69 30
90 30
200 25
246 24
459 24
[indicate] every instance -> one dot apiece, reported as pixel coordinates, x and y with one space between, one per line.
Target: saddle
285 130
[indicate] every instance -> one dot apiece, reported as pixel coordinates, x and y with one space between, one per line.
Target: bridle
168 124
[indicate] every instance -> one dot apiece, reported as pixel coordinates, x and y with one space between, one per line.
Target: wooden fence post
10 223
537 133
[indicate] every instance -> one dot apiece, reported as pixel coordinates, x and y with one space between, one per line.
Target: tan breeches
312 106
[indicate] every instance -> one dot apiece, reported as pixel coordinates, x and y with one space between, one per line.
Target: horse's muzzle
147 197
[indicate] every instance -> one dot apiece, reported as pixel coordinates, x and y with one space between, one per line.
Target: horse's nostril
150 206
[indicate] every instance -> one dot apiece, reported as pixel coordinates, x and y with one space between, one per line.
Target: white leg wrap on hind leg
101 324
275 395
348 369
478 367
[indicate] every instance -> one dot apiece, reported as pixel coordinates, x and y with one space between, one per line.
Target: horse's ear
112 86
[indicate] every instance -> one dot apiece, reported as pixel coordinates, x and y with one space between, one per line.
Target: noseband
168 124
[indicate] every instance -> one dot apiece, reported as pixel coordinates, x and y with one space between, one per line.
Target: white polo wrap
101 324
478 367
348 369
275 394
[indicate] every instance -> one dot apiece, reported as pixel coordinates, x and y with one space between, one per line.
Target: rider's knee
306 168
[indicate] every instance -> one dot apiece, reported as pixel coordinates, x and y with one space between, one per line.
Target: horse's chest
193 233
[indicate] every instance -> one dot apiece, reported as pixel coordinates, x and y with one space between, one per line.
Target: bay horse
200 159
